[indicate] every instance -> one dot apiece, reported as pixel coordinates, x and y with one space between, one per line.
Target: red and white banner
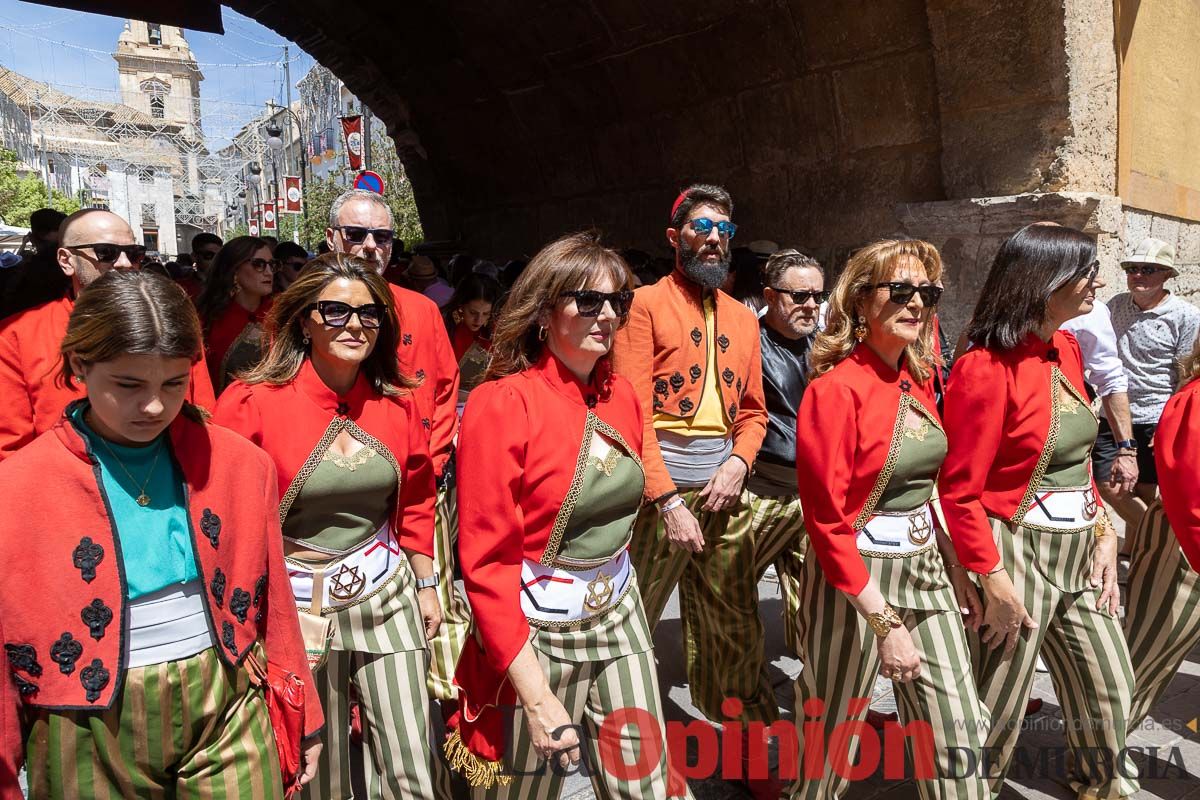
269 216
352 131
293 195
254 226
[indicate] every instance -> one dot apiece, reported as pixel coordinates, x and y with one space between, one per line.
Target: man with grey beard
692 354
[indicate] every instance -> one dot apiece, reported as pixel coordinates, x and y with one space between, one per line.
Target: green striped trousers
833 690
780 539
1083 648
590 692
445 647
718 600
1162 611
397 757
192 728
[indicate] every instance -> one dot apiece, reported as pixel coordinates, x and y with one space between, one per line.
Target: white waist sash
897 535
550 595
1062 510
349 579
168 625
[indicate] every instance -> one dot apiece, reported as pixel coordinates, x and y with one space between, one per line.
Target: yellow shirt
710 418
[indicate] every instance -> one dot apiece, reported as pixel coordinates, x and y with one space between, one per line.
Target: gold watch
884 621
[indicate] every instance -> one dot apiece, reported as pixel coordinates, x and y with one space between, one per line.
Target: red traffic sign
370 181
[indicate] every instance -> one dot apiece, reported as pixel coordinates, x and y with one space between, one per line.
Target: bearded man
692 353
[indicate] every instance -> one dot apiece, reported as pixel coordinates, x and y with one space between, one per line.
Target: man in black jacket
794 289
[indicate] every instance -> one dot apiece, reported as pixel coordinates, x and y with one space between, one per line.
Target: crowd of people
239 491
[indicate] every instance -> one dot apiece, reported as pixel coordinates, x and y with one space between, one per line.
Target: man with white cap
1154 329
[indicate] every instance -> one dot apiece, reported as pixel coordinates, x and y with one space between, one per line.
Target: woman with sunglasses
147 575
468 320
1022 508
878 597
331 408
550 450
1162 612
235 301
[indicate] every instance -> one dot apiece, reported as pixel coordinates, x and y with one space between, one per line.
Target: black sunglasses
589 303
1145 272
261 264
357 235
802 297
109 253
336 314
901 293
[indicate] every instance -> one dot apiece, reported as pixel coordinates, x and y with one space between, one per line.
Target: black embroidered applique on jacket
660 387
686 405
732 411
426 423
905 386
695 372
23 657
420 374
210 526
658 404
723 342
239 604
728 376
676 382
1052 354
24 687
94 678
696 336
86 557
65 652
227 638
260 594
739 387
96 616
217 586
406 339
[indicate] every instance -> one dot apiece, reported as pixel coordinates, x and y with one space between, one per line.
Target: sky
72 51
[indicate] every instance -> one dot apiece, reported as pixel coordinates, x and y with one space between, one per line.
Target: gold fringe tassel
480 774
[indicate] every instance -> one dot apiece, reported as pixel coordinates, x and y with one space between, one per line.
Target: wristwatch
1127 444
884 621
427 583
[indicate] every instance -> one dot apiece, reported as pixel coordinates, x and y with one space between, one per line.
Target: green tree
21 195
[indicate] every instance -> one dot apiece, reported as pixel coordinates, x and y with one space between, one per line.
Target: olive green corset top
608 502
920 456
343 503
1077 428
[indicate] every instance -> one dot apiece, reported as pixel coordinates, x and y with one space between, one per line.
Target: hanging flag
254 225
269 216
293 195
352 130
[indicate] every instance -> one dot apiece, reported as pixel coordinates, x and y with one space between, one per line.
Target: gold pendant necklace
142 499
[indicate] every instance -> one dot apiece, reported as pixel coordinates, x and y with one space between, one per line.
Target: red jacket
998 415
519 453
1177 456
34 395
845 430
65 558
223 333
425 353
290 423
663 353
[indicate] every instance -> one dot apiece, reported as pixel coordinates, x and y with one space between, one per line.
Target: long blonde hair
575 261
1189 366
871 265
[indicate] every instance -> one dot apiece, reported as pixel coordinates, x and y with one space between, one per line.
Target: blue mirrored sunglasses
704 226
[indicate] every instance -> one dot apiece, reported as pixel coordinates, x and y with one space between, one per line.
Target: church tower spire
159 75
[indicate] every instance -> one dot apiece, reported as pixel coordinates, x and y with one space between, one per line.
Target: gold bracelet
883 622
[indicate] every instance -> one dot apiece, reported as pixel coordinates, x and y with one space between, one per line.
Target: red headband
678 202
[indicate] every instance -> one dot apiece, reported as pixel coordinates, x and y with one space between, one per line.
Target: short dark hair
201 239
289 250
1030 266
45 220
701 194
782 261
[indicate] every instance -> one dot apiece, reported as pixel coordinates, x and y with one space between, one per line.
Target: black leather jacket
785 377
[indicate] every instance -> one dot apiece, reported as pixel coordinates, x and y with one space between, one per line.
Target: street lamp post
276 143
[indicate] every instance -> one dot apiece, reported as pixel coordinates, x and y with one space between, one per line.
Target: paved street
1042 729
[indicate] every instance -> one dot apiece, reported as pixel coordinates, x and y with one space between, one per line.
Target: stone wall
1183 234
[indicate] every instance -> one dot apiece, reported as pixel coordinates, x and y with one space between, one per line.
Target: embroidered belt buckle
1062 510
897 535
349 579
556 596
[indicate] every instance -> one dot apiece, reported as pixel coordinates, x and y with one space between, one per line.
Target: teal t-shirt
156 546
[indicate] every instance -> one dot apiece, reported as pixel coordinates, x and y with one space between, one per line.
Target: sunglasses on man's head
109 253
800 297
901 293
1144 271
590 303
336 314
355 234
704 226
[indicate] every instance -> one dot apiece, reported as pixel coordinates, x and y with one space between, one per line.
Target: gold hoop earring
457 316
304 337
541 333
860 330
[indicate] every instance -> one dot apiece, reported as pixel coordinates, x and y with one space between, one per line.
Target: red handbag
285 706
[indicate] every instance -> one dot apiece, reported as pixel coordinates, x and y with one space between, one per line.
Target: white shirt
1102 366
